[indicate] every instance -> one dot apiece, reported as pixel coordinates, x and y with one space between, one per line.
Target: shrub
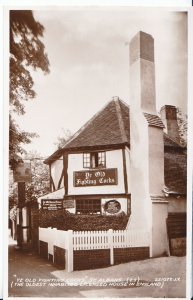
64 220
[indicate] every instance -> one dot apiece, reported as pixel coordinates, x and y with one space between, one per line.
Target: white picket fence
87 240
90 240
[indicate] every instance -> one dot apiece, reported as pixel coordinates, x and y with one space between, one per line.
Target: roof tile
105 128
111 126
154 120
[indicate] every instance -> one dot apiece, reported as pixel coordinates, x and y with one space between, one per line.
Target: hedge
64 220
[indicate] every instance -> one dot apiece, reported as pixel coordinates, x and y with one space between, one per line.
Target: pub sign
112 206
22 172
95 177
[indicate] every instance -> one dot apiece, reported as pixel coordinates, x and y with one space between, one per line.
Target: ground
32 276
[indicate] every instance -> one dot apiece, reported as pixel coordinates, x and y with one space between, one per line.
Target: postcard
97 152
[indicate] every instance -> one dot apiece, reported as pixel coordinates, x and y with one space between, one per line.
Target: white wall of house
141 206
147 148
114 159
159 229
156 160
128 168
56 171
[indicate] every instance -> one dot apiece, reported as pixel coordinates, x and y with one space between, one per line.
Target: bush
64 220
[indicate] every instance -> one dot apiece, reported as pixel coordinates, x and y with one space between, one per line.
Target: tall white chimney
143 68
148 206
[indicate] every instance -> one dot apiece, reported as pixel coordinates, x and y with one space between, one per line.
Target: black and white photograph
97 172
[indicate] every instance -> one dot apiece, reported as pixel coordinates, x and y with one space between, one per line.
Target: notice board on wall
52 204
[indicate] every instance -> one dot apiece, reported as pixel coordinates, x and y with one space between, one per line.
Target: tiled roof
111 127
169 142
154 120
108 127
175 166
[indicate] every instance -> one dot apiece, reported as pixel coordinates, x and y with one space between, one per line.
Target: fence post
70 251
54 233
110 234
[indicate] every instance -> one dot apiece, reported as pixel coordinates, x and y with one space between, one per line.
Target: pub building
126 158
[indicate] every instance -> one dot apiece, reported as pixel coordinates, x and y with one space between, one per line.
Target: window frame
88 207
91 160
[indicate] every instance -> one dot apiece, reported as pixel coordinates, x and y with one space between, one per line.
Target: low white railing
130 238
90 240
85 240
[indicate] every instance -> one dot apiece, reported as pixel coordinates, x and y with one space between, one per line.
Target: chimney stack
169 118
148 205
143 72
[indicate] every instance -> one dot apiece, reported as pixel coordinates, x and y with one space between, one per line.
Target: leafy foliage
26 51
13 195
63 138
13 213
183 126
39 184
64 220
17 137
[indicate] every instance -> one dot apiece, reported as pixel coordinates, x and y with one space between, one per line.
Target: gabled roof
110 128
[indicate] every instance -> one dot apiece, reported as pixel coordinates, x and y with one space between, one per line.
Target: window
86 160
88 206
94 160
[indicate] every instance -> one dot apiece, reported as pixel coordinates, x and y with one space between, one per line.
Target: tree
26 51
63 138
12 191
16 138
183 126
40 180
39 184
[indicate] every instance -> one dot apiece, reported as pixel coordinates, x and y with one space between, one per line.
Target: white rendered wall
156 161
159 230
147 151
128 168
141 211
148 86
56 171
114 159
141 208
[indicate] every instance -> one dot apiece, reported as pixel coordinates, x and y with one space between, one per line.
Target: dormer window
94 160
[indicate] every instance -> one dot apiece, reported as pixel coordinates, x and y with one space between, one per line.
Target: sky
88 50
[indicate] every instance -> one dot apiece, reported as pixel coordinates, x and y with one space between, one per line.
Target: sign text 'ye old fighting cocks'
95 177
